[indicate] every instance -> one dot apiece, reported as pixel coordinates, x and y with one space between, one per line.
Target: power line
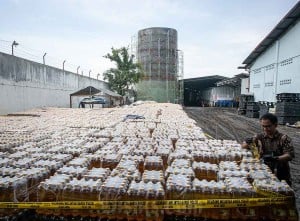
5 40
37 56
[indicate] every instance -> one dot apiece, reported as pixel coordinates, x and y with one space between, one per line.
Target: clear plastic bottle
67 191
132 191
153 163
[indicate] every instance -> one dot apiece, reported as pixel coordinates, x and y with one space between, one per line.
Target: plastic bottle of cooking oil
210 173
150 195
141 194
67 190
254 150
160 194
51 193
10 192
132 193
86 192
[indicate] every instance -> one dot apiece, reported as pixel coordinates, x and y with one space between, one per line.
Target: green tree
126 73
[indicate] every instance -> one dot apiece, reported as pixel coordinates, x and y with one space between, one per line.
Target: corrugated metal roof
289 19
234 81
110 93
90 90
202 82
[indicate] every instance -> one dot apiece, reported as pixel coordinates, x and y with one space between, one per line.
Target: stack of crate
288 108
244 98
252 110
264 108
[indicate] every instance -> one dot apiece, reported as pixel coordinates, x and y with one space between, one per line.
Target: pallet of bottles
95 155
259 213
209 177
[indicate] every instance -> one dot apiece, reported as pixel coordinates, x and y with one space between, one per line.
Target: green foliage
125 74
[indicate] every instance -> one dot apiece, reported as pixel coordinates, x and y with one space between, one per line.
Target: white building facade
274 65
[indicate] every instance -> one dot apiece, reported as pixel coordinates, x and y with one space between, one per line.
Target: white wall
245 84
277 70
219 93
25 84
290 43
262 74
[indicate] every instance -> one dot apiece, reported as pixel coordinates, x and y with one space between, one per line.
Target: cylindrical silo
157 53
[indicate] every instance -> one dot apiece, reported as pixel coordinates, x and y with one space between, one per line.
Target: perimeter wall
26 84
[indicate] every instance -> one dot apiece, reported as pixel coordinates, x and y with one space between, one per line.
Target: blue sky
215 35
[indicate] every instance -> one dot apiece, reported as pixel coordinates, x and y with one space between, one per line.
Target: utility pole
12 46
64 65
44 58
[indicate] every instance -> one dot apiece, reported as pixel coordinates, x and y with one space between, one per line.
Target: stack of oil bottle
71 155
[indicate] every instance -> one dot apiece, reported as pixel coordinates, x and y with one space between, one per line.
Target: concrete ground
225 123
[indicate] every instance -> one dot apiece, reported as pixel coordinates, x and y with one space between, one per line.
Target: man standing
274 147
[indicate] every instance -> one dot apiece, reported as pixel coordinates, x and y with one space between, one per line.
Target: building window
286 62
270 67
268 84
256 85
286 81
256 71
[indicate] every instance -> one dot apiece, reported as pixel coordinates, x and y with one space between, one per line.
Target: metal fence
19 50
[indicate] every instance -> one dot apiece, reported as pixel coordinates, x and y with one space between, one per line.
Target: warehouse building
274 65
194 89
214 90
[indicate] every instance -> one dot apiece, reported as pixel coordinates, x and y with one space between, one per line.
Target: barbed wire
37 56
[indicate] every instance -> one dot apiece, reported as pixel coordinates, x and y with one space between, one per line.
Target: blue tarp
225 103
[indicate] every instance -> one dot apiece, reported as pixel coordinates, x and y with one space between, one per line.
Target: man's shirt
278 144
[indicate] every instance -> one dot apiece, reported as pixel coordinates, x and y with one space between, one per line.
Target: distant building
214 90
274 65
198 91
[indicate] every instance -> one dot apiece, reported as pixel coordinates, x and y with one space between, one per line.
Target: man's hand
270 158
249 140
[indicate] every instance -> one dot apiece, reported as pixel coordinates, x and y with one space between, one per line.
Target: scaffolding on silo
180 76
157 52
133 47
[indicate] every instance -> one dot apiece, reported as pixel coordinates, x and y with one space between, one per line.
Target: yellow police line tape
150 204
266 193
